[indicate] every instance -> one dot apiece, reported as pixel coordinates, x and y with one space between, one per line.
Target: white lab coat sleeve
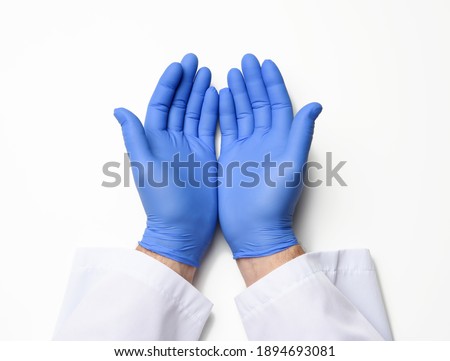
120 294
317 296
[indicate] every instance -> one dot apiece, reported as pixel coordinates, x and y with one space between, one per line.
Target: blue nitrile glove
256 121
180 123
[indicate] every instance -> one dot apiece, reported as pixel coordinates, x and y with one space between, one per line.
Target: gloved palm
256 122
180 123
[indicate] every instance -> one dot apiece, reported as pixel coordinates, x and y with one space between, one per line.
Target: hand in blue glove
259 131
180 126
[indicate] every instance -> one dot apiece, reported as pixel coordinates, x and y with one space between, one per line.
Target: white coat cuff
123 294
323 296
152 273
295 272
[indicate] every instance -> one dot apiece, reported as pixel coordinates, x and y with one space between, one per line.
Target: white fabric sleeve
317 296
120 294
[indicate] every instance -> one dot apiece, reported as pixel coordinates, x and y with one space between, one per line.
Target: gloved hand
180 125
256 122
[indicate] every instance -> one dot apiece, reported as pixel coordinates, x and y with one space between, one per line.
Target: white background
380 69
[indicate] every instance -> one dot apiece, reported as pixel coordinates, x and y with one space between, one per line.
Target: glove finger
280 102
133 135
208 118
244 111
194 107
161 100
257 92
227 118
301 134
178 107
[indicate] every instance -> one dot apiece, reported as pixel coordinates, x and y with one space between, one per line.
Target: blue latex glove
256 119
181 119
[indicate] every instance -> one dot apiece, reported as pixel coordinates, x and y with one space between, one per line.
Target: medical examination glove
176 141
263 152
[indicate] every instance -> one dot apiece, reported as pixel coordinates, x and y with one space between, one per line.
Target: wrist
184 270
253 269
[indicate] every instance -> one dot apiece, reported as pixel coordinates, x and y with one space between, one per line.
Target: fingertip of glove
191 57
316 109
204 70
249 58
118 114
212 89
175 69
233 72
